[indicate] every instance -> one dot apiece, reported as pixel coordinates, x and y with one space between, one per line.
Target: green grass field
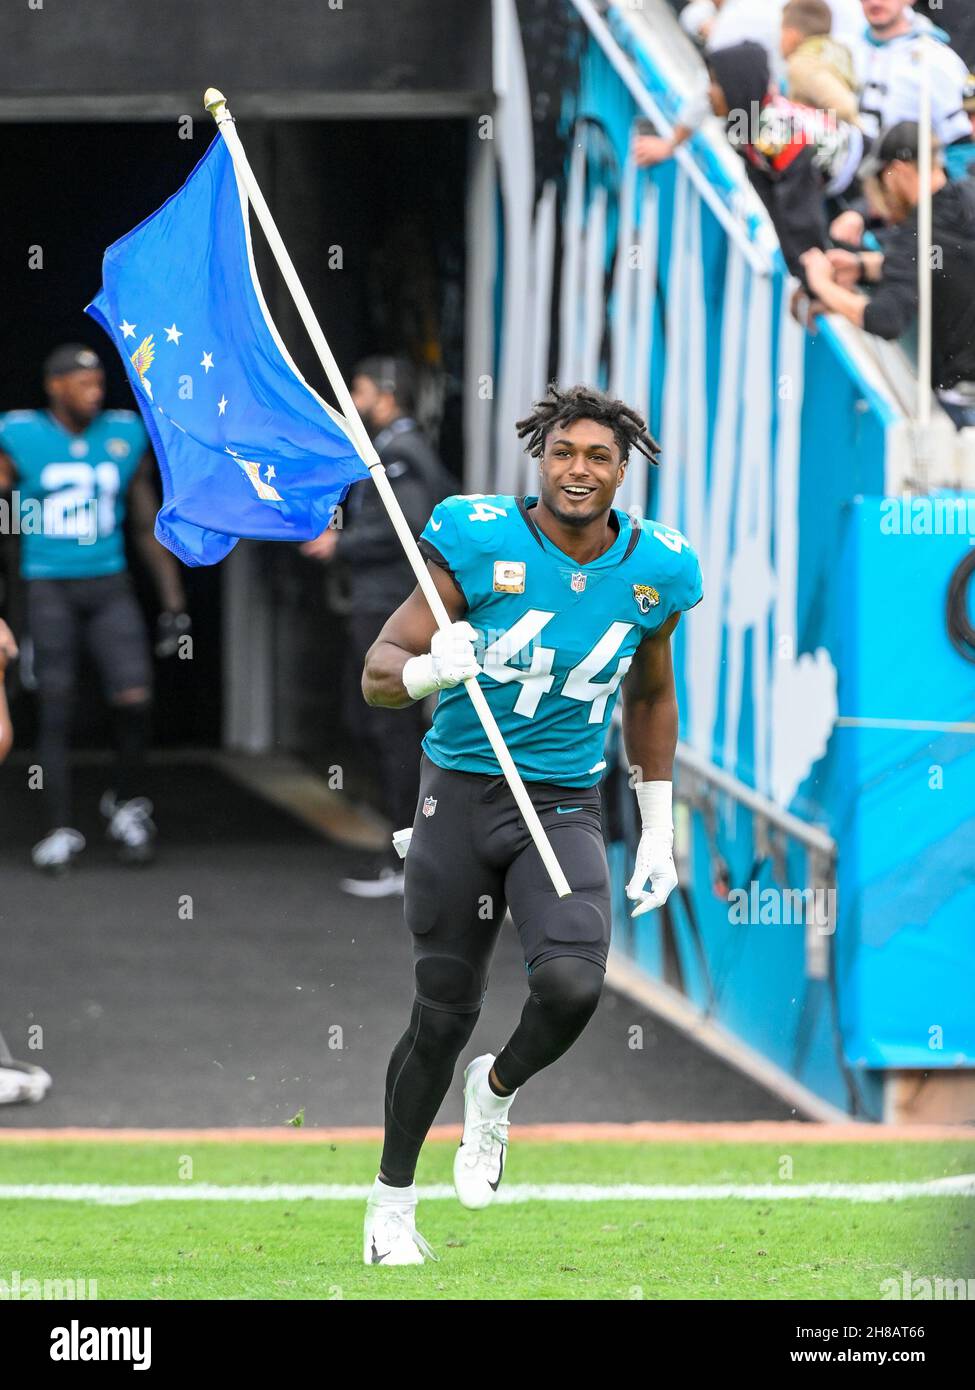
611 1249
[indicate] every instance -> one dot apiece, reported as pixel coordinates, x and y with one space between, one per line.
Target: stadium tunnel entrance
372 212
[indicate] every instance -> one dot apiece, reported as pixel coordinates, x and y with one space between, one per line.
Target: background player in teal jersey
75 472
559 602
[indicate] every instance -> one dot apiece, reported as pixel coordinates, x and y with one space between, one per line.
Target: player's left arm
143 505
650 739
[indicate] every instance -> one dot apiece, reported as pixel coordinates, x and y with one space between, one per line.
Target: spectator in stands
886 59
721 23
8 650
892 180
795 158
888 69
819 71
379 578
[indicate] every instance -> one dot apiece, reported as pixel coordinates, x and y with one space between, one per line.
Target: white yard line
962 1185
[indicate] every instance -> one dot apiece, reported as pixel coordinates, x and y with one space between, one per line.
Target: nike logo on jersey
435 525
564 810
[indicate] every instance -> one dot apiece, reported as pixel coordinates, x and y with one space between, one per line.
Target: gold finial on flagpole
216 103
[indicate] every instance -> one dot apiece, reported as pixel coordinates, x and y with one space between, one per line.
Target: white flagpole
216 104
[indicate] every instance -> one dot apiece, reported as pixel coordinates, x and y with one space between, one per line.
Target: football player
77 470
559 601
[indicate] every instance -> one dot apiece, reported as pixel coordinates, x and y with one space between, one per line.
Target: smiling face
580 470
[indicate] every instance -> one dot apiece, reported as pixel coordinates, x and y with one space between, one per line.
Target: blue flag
245 446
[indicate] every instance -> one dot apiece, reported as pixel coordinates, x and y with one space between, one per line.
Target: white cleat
389 1235
130 828
479 1161
56 852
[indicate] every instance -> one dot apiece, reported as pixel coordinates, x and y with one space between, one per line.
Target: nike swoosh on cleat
564 810
377 1259
495 1185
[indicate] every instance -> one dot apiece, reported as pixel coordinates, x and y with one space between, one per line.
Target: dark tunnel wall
326 57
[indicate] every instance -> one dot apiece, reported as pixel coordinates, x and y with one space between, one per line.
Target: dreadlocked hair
586 403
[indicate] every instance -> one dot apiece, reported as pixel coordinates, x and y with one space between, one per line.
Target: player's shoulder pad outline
674 560
477 521
19 417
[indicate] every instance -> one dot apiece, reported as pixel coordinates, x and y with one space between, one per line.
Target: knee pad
446 982
567 985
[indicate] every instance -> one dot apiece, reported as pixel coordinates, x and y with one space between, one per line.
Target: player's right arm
411 658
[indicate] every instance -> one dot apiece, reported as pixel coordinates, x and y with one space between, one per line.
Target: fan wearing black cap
379 578
77 471
892 181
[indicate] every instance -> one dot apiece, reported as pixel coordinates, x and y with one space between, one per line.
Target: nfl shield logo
429 805
578 582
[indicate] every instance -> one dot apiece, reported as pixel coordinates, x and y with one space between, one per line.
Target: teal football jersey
555 638
69 492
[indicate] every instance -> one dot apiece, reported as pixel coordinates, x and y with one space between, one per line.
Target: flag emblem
646 597
429 805
142 359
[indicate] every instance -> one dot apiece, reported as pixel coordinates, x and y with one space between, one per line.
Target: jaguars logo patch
645 596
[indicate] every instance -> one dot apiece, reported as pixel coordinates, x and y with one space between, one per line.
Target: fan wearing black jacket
892 178
796 156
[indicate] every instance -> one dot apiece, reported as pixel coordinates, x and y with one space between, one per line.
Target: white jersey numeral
673 540
73 489
482 511
579 684
538 679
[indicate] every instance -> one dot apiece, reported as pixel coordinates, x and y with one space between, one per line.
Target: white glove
655 852
449 661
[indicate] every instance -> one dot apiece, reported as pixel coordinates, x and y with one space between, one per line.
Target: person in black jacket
796 157
892 179
379 578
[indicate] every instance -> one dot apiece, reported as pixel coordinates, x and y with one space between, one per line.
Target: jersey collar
618 551
55 423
